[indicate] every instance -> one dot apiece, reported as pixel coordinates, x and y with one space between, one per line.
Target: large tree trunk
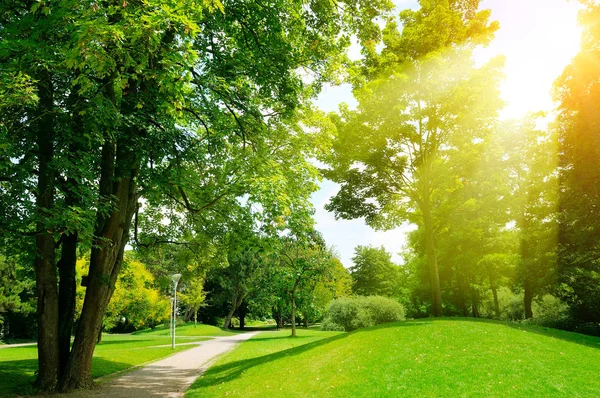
235 303
66 298
110 239
67 264
242 314
431 256
45 269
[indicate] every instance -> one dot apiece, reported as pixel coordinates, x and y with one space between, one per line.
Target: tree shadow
17 377
230 371
571 337
103 367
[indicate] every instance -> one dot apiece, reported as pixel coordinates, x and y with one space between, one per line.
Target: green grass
116 352
425 358
188 330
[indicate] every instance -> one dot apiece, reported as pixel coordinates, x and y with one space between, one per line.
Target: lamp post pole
171 319
175 278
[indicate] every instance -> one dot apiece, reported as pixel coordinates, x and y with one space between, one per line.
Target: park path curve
168 377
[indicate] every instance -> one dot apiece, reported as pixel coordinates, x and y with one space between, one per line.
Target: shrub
359 312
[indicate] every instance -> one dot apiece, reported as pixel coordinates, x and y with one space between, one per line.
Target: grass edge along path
450 357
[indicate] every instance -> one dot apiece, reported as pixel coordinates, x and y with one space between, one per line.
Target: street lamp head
175 278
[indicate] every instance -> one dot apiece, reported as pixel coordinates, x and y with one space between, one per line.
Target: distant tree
532 161
304 260
194 297
240 278
374 273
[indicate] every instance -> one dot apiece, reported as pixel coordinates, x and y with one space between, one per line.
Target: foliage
421 103
303 260
578 91
16 299
374 273
194 297
136 302
360 312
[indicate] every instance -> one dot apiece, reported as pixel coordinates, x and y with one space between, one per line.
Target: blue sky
538 38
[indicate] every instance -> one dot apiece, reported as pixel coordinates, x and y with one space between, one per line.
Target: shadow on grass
230 371
17 377
571 337
102 367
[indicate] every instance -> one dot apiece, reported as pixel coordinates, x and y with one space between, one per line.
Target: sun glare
539 38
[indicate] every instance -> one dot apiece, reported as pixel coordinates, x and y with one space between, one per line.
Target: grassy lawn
188 330
115 353
425 358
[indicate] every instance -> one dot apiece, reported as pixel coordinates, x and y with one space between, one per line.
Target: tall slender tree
420 101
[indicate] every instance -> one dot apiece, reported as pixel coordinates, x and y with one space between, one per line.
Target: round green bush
351 313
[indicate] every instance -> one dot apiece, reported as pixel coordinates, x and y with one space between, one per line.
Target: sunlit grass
429 358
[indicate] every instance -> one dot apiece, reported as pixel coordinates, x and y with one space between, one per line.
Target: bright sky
538 37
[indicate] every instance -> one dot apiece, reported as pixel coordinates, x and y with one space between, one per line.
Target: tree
317 295
113 102
242 275
136 303
420 101
531 161
374 273
303 261
194 297
579 160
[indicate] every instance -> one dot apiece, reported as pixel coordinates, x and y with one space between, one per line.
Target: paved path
16 345
169 377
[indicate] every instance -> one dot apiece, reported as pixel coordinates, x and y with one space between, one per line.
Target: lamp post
171 319
175 278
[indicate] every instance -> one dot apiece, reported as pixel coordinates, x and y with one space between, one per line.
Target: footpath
168 377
